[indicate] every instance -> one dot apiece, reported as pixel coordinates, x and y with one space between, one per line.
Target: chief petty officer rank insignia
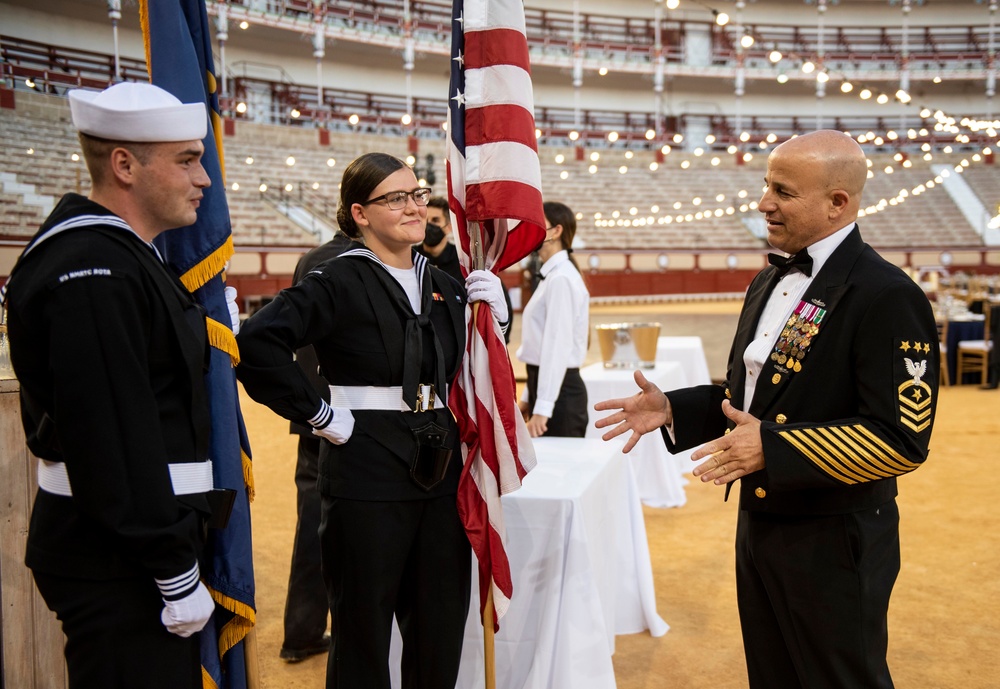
913 395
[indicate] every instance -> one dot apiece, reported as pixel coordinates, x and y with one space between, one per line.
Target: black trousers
411 559
569 416
813 596
114 637
306 605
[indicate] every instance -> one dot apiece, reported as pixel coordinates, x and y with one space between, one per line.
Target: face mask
433 235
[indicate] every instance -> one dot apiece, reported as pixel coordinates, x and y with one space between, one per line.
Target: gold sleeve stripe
866 448
863 451
847 462
872 453
812 451
848 458
873 459
889 454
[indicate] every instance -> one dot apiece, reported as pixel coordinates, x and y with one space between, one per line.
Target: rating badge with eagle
915 397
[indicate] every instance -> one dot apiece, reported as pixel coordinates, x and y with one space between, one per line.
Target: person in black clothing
109 348
306 606
441 252
830 395
389 333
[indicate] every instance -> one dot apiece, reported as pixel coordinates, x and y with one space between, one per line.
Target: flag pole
250 659
489 661
477 258
478 261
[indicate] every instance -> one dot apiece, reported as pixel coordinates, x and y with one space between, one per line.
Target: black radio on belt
430 460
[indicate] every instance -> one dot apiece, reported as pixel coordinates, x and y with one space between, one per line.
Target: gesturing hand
641 413
738 453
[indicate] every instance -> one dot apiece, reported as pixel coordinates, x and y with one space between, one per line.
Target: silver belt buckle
425 403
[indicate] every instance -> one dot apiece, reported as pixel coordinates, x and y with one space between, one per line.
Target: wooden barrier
32 638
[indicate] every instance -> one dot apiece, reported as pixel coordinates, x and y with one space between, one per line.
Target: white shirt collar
554 261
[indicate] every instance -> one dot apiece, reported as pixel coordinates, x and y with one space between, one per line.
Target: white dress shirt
554 329
786 296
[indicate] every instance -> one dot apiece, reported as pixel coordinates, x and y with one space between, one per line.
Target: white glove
188 614
340 428
482 285
234 310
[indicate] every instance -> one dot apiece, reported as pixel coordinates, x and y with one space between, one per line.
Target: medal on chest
797 336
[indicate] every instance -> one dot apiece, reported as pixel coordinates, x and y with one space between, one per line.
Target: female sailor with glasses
389 334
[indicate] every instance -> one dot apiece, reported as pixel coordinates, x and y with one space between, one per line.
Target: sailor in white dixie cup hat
109 349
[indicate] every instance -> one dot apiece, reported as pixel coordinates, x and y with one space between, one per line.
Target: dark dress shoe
297 655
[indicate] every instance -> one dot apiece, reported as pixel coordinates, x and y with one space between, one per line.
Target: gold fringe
237 628
221 337
248 475
206 680
144 23
210 266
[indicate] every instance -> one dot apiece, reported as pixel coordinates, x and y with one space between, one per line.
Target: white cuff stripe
180 586
323 416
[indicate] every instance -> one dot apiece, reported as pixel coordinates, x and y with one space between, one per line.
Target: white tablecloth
576 542
689 353
657 472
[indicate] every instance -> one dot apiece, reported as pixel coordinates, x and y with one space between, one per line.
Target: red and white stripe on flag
494 185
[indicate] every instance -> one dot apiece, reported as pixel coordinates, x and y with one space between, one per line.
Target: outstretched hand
738 453
641 413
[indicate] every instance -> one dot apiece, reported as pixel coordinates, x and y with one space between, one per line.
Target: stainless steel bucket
628 345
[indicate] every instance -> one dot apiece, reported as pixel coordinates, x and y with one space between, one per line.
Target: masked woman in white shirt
554 335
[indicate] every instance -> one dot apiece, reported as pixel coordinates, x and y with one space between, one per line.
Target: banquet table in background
968 328
658 473
579 559
689 353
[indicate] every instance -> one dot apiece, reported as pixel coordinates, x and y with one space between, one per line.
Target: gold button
781 418
727 431
729 395
760 492
776 378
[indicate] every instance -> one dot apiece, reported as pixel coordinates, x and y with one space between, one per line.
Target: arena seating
928 220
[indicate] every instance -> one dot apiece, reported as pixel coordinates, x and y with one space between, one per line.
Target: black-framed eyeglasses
396 200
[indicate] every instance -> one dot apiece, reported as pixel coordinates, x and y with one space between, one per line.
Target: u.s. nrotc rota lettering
89 272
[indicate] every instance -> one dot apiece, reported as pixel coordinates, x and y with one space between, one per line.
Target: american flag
494 188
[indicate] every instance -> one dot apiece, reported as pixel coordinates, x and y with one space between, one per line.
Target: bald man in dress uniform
829 396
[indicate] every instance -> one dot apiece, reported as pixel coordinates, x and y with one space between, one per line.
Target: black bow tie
802 260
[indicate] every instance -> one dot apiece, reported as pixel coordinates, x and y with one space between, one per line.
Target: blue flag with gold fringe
179 58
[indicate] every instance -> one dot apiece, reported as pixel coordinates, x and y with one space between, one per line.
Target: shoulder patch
913 366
